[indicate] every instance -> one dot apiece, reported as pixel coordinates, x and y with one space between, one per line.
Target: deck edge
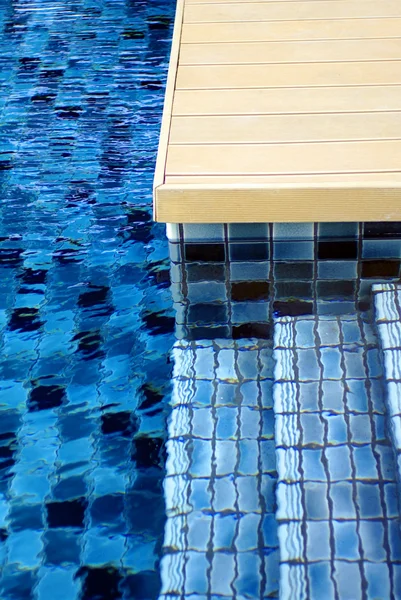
160 168
263 203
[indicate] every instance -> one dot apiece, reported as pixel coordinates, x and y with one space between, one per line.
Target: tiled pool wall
230 279
86 320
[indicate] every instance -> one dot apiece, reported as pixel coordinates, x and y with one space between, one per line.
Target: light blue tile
348 578
196 570
341 494
249 456
198 533
312 429
331 359
317 506
391 499
321 584
200 494
269 528
337 429
332 397
249 422
351 332
249 271
248 231
337 230
357 398
305 335
249 312
223 573
248 530
360 426
380 249
225 527
312 465
318 540
226 422
339 463
200 232
368 498
248 497
309 396
346 540
293 250
248 580
378 578
372 537
354 365
225 495
294 231
333 269
365 462
308 365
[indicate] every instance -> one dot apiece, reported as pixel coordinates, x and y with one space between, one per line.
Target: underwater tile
332 396
321 584
293 250
348 579
248 579
341 494
331 360
248 496
365 462
360 427
312 429
197 566
372 537
337 269
378 579
316 501
225 494
225 531
248 530
346 540
339 463
223 573
199 531
318 540
368 498
308 367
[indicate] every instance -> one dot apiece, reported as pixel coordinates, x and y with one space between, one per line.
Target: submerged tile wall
220 539
228 280
338 510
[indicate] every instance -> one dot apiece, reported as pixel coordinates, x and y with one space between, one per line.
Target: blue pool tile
341 494
223 573
313 465
321 584
368 498
365 462
339 463
346 540
316 500
318 540
378 578
348 578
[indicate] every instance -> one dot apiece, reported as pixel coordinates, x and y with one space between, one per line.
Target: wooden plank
283 11
325 179
291 30
168 101
292 203
290 52
284 159
285 128
286 101
288 75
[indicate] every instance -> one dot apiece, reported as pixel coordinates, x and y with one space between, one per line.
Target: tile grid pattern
220 539
250 271
337 502
388 321
86 319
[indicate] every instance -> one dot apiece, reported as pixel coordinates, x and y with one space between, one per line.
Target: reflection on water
85 311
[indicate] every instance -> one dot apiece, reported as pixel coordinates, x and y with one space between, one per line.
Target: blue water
86 318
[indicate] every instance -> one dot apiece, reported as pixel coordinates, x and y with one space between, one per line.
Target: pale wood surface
283 110
284 31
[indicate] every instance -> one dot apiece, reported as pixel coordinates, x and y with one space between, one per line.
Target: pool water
86 314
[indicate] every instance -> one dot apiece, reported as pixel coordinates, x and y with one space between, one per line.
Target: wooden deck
282 110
